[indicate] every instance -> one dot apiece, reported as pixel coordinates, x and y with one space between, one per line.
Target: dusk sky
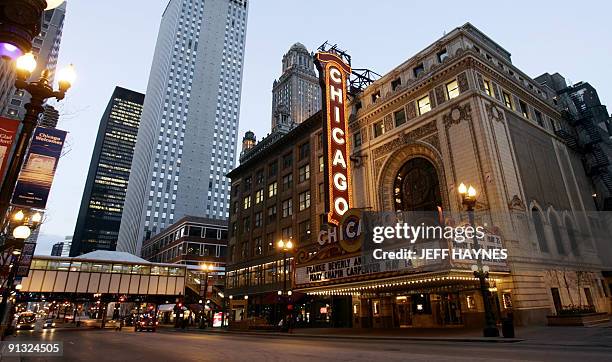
111 43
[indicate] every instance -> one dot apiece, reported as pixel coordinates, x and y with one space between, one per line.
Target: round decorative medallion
456 114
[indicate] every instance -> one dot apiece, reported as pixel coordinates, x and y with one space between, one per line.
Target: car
26 320
146 323
49 323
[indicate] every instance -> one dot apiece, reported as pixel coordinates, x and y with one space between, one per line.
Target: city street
169 345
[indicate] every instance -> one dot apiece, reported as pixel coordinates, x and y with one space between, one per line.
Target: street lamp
206 268
40 91
468 198
285 247
20 23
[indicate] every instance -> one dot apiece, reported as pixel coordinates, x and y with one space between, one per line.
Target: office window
259 196
272 214
257 243
487 87
321 192
304 151
507 100
399 117
424 105
259 177
396 83
452 89
287 208
304 173
442 55
357 139
246 202
246 224
418 70
539 118
304 200
258 219
524 109
272 189
375 96
272 169
321 163
379 128
287 182
247 183
287 160
304 231
287 233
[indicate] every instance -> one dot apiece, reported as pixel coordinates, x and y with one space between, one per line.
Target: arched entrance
416 186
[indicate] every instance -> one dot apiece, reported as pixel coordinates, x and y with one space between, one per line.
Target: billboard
334 73
36 176
8 134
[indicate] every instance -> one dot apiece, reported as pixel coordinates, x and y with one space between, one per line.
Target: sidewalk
595 336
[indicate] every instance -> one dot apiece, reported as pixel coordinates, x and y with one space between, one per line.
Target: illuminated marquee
333 73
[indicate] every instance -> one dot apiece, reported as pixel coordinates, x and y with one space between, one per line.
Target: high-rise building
56 249
97 226
50 117
45 48
67 245
296 95
188 134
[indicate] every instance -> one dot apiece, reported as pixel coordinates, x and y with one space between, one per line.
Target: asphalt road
95 345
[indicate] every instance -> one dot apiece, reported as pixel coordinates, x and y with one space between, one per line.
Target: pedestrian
120 324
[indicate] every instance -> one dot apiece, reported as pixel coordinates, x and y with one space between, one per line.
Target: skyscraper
188 134
45 48
296 94
97 226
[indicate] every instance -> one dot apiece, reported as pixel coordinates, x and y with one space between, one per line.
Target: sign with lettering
36 176
8 132
333 75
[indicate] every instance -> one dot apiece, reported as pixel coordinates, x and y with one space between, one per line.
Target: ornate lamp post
20 227
40 91
206 268
285 247
468 198
19 23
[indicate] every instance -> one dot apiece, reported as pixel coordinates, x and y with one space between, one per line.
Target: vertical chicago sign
333 75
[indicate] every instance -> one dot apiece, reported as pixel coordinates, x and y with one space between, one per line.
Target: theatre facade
457 112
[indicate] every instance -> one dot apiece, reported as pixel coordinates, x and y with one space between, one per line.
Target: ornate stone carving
378 164
457 114
480 82
388 122
433 140
410 110
463 82
494 113
440 94
405 138
497 92
516 203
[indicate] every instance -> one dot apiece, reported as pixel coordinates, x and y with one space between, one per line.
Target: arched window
539 228
571 233
554 224
416 186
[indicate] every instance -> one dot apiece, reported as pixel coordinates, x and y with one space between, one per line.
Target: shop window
376 307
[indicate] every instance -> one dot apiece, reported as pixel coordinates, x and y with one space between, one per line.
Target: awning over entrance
435 281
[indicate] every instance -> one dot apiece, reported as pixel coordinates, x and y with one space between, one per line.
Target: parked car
146 323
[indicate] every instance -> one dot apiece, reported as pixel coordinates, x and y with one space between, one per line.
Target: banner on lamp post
36 176
8 134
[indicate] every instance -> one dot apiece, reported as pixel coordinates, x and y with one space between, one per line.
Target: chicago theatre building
457 112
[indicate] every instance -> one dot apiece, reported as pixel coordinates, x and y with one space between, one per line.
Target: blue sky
111 43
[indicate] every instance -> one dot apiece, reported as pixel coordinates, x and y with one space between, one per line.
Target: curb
360 337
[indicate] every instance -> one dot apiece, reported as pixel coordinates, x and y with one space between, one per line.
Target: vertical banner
333 75
23 268
8 133
34 182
